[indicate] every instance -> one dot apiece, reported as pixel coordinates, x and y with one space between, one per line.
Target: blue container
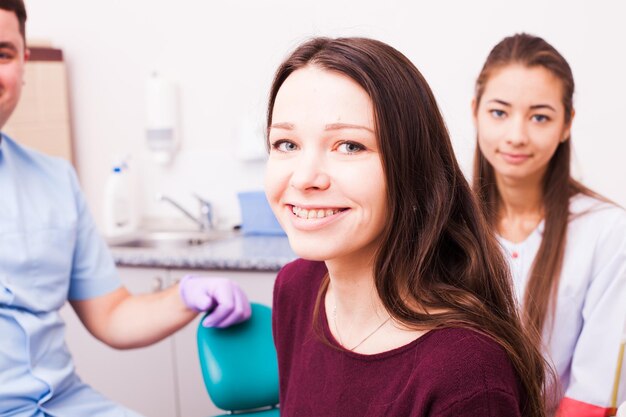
257 217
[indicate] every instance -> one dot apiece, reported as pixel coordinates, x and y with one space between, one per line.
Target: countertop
239 252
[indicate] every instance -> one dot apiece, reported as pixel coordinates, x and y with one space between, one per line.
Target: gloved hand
226 302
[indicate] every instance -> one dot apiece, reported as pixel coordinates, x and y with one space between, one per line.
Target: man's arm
124 321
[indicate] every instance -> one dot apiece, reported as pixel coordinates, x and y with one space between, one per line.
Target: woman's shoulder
302 267
460 344
472 359
593 216
300 275
585 206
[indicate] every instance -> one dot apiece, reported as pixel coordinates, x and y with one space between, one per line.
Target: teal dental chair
239 365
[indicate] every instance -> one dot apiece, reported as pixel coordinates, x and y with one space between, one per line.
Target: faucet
204 220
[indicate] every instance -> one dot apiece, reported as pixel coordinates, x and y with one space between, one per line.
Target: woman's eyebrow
8 45
497 100
338 126
542 106
286 126
332 126
533 107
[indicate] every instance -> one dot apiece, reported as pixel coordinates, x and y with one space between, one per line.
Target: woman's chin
311 250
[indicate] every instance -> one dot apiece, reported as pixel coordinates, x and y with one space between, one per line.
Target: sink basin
166 240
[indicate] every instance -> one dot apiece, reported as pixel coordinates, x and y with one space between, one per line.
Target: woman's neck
521 207
352 289
356 315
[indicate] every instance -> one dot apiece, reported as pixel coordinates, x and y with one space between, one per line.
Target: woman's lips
312 218
314 213
514 158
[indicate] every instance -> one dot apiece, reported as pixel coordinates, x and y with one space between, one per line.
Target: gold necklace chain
364 339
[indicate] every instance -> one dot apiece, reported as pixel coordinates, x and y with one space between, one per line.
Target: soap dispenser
162 133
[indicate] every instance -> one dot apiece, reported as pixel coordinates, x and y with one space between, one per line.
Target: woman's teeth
313 213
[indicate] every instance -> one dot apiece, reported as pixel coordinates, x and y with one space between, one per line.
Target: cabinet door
194 400
141 379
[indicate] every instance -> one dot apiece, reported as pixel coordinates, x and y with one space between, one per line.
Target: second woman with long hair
566 244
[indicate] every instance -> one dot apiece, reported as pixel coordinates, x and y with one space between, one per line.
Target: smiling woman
566 245
311 152
402 295
522 121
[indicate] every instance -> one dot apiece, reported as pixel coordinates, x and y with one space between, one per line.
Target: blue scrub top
50 251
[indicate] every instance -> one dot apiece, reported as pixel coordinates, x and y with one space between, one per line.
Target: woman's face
324 177
520 121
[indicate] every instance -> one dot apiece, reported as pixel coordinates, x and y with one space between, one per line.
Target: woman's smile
515 158
314 213
314 218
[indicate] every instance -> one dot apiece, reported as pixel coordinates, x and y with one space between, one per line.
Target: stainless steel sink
167 240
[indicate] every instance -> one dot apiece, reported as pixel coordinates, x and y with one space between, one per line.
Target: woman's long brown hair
438 254
558 184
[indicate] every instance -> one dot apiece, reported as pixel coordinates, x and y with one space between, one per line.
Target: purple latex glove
224 299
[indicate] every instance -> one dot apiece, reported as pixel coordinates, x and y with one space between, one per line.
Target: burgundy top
447 372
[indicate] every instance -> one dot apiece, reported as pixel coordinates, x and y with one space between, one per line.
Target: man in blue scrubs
50 252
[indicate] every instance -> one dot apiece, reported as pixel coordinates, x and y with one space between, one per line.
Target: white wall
223 54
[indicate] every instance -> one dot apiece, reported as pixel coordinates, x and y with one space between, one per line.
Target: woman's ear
474 112
568 128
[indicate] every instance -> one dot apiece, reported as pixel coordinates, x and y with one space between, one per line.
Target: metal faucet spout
204 220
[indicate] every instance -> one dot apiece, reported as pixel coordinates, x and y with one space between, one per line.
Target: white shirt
591 302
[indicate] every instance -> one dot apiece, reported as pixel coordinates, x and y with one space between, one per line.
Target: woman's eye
498 114
284 145
350 147
540 118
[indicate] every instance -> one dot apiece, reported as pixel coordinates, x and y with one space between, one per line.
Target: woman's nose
517 134
310 173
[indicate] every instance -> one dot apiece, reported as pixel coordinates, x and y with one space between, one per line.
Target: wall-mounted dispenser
162 132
